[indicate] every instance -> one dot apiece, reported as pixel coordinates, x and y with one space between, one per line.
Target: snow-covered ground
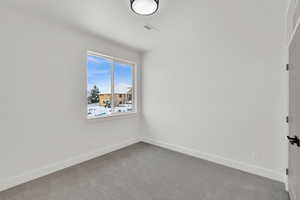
95 110
123 108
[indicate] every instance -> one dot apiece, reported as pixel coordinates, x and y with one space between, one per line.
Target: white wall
292 18
215 87
42 110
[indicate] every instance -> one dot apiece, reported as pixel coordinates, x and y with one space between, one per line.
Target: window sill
114 117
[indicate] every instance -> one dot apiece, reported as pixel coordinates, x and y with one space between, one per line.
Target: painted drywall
216 84
43 102
292 19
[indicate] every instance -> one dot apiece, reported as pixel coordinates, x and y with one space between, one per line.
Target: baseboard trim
37 173
220 160
286 183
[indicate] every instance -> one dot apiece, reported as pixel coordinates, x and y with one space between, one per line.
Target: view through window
110 87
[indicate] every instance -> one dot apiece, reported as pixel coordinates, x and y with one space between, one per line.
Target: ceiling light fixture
144 7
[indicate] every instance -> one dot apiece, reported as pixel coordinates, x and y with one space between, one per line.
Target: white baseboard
220 160
37 173
286 183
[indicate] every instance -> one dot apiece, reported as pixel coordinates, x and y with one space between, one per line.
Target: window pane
123 85
99 95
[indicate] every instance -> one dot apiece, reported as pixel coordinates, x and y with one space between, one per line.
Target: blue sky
99 74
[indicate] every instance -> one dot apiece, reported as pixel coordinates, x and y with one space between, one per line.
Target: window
110 86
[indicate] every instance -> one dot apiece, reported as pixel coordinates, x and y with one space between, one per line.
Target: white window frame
134 84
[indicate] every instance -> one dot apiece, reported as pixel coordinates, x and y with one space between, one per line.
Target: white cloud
122 88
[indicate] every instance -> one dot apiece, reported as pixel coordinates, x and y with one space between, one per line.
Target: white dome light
144 7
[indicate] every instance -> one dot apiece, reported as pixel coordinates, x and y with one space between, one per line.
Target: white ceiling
176 20
111 19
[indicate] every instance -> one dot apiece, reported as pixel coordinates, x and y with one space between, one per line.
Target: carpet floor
146 172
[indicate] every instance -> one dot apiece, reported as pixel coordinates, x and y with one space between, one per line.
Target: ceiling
175 21
111 19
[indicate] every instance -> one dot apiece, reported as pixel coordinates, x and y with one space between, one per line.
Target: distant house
121 97
104 99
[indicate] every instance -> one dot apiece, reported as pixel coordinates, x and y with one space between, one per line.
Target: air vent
148 27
